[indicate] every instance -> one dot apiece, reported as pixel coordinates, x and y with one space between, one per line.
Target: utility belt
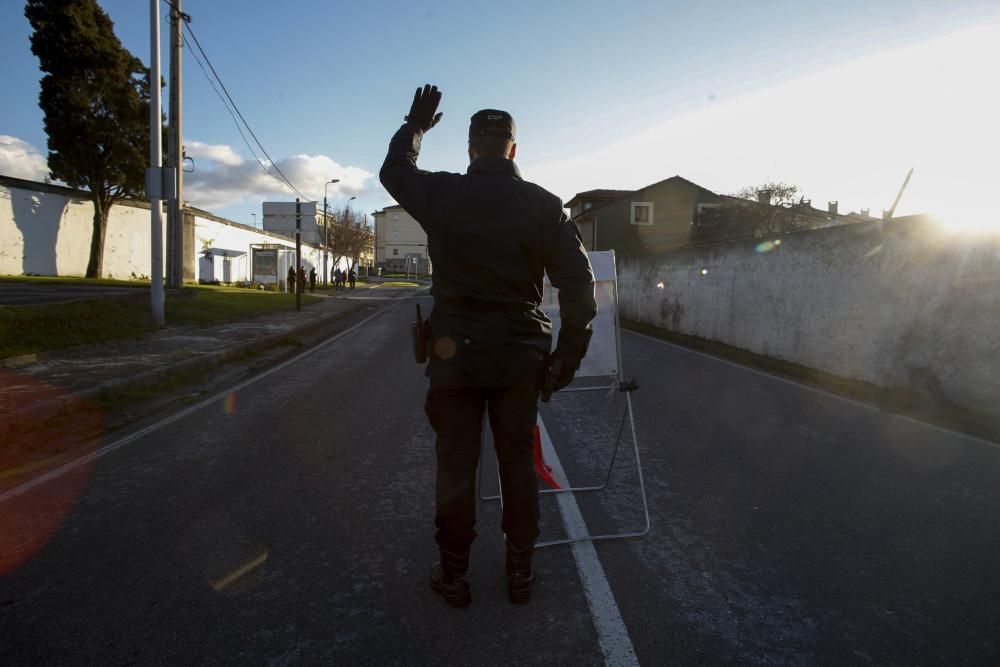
420 330
466 303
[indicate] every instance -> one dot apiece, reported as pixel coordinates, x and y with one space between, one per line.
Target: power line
231 106
232 115
238 113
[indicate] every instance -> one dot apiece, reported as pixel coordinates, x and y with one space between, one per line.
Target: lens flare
32 443
229 406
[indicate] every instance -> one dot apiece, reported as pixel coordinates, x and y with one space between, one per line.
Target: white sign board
602 355
286 209
279 217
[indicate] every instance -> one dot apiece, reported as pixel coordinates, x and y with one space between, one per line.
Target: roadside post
298 253
155 175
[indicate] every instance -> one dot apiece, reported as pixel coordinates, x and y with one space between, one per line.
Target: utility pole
888 214
154 176
298 254
326 228
175 148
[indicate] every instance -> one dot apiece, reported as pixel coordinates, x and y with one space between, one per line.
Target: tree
95 97
349 235
772 208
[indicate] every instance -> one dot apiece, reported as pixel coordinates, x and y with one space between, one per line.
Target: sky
840 99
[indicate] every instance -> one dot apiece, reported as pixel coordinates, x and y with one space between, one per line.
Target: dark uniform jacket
492 236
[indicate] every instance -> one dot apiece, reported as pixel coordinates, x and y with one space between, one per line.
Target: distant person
312 279
337 276
291 279
494 237
301 282
353 277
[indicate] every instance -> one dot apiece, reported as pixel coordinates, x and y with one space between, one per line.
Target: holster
423 342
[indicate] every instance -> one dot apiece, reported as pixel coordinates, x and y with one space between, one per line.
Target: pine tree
95 97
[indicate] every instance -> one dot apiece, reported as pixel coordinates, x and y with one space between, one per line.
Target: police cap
491 122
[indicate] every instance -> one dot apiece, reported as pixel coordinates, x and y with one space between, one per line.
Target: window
586 206
395 251
707 215
642 213
395 235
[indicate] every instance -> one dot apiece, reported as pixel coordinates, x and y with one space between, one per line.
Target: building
47 229
400 242
676 212
584 201
350 247
656 218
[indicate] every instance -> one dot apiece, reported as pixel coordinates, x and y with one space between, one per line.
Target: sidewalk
48 384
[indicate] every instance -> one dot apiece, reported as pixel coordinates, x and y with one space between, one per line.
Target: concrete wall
46 230
228 243
902 305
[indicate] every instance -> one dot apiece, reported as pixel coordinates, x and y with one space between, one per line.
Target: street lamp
326 231
348 207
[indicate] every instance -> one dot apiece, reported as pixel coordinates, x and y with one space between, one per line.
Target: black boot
520 574
448 579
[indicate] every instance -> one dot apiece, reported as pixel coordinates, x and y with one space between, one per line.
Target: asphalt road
291 523
15 294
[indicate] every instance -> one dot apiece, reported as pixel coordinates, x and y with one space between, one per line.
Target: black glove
423 111
558 373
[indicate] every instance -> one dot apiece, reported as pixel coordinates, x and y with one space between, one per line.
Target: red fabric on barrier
543 469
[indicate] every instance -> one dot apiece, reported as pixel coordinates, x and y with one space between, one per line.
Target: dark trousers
456 414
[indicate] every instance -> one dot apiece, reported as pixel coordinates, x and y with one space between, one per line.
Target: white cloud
222 177
20 159
217 153
846 133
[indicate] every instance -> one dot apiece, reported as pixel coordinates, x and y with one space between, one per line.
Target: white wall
898 305
46 230
236 239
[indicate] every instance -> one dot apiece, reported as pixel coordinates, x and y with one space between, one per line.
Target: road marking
612 635
34 465
107 449
240 572
817 390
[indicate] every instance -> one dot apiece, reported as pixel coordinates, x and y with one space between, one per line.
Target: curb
42 411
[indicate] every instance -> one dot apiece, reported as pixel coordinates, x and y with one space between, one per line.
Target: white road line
132 437
612 635
816 390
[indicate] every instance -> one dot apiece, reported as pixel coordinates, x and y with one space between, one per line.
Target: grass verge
30 329
73 280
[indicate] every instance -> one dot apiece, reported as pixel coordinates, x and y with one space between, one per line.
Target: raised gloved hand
423 111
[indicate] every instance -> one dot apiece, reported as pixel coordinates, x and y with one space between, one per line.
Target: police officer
492 236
